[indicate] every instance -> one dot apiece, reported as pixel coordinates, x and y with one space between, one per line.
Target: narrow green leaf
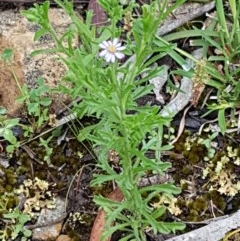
222 120
41 32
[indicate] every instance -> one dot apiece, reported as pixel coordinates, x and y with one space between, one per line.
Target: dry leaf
99 16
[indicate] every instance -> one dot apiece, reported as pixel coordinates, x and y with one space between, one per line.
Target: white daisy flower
111 50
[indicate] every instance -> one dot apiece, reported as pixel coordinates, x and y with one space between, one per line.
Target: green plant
48 149
6 125
207 142
37 102
6 132
16 221
13 222
35 98
227 44
109 92
221 37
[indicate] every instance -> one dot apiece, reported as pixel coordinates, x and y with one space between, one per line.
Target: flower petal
115 41
121 48
109 43
118 45
103 53
119 55
104 44
108 57
111 50
113 58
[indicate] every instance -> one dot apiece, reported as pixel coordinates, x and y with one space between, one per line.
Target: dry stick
231 234
64 120
215 231
78 173
207 221
192 11
183 97
182 125
99 223
218 129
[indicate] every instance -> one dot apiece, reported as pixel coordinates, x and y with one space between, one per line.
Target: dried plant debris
37 194
165 200
209 177
220 171
199 76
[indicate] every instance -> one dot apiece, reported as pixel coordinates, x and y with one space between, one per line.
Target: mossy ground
200 198
66 160
198 201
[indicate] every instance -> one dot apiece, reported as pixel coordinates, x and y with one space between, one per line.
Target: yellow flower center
112 49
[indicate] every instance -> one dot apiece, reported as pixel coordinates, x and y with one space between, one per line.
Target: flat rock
17 33
49 223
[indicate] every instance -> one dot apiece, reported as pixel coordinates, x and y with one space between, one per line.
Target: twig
207 221
183 97
190 13
182 125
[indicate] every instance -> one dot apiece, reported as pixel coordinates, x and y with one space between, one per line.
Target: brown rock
49 223
17 32
49 233
10 74
63 237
